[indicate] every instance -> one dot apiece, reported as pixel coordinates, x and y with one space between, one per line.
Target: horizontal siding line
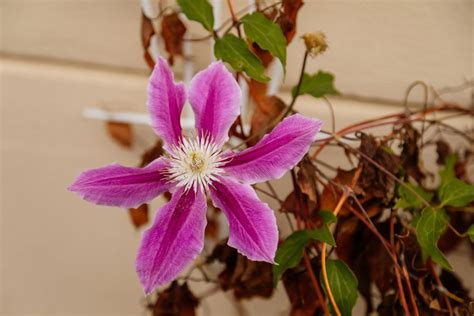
137 73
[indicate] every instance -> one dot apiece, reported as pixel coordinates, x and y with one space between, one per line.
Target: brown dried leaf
139 215
245 277
288 17
147 31
290 204
304 209
302 297
152 153
306 178
375 182
176 300
454 285
258 89
425 293
379 263
212 228
252 278
332 193
367 257
346 232
172 32
291 8
411 152
121 132
390 306
264 55
434 304
268 108
449 240
443 150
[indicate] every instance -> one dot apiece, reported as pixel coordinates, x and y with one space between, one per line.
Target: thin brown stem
400 118
401 291
315 284
298 86
410 290
440 284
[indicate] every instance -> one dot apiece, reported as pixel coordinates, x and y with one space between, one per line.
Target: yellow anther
197 162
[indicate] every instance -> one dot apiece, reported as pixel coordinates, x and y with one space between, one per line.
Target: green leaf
235 51
431 225
408 199
447 173
416 218
456 193
266 34
317 85
470 233
343 285
452 191
199 11
324 233
290 252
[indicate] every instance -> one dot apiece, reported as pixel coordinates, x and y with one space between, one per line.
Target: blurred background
62 256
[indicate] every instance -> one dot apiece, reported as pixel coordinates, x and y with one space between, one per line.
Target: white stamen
195 162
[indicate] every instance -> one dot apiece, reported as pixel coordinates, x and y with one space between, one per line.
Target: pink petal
165 103
277 152
174 240
215 97
252 224
116 185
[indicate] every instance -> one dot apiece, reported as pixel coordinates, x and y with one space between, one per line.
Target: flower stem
336 211
298 87
323 260
317 289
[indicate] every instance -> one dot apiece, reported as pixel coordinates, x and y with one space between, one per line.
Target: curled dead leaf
306 178
374 181
302 297
411 153
304 209
152 153
139 215
244 277
147 31
121 132
443 150
176 300
267 109
332 192
288 18
172 32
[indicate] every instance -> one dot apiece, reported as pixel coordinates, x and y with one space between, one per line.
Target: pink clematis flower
195 166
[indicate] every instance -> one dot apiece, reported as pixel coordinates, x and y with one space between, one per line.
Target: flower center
195 162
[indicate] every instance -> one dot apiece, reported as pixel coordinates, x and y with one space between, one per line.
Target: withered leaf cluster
245 278
176 300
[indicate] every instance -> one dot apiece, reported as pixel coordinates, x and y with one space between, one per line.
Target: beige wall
376 47
62 256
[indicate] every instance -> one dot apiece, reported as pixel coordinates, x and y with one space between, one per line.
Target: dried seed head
315 43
